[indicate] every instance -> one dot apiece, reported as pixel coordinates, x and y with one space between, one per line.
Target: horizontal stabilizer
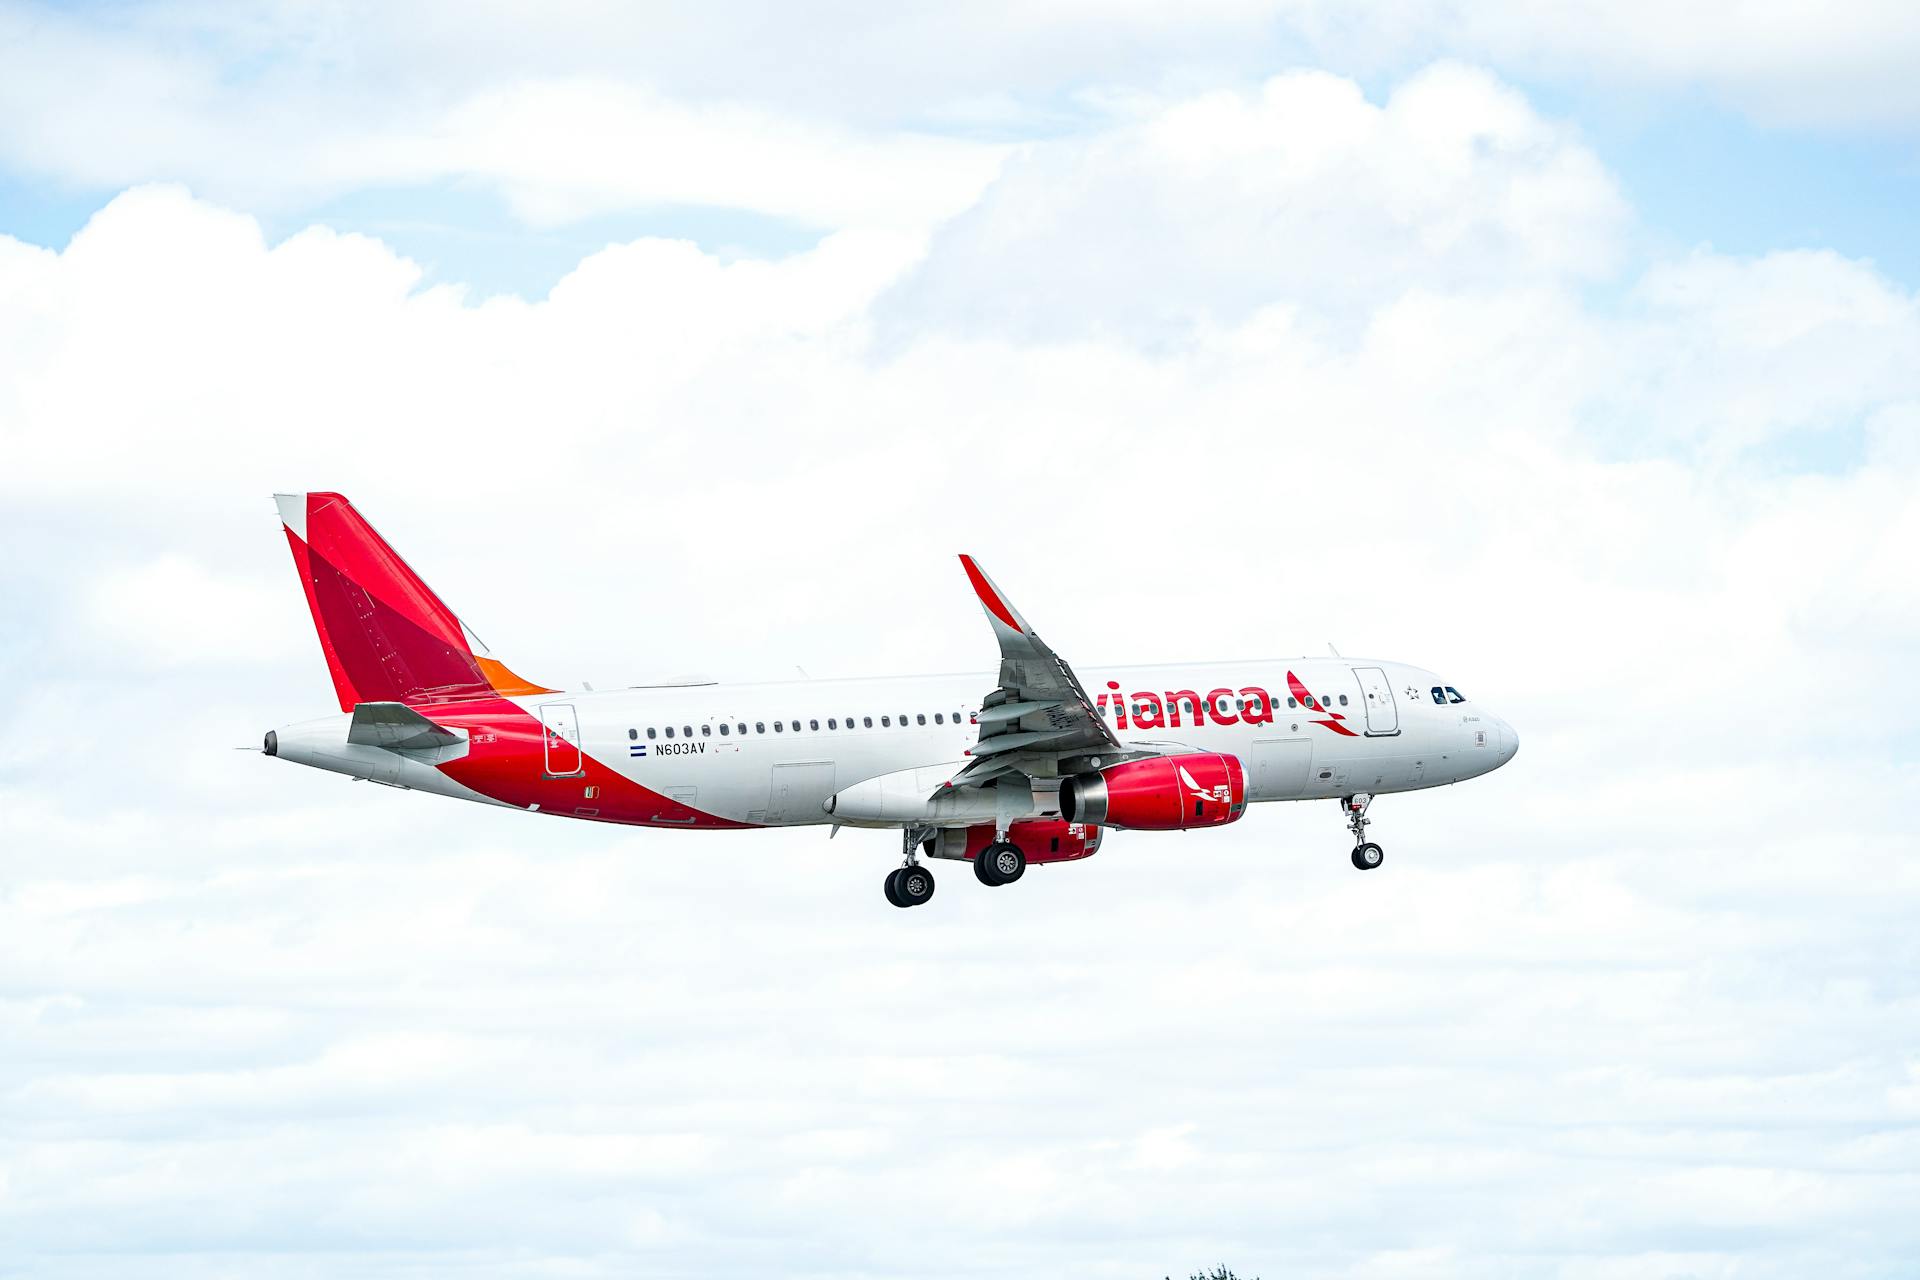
397 727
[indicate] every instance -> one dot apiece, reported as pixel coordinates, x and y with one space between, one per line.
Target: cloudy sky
1577 358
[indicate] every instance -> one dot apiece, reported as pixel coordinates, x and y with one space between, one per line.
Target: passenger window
1343 699
723 730
779 726
669 731
938 718
632 734
886 722
1293 704
687 729
796 726
920 719
833 723
1439 696
650 734
867 721
1453 695
743 729
759 726
706 731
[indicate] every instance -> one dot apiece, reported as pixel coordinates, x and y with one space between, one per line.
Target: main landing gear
1366 854
1001 862
910 884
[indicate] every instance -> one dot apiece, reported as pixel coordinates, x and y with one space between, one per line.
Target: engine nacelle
1044 841
1165 793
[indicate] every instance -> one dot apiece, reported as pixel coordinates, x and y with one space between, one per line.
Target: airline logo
1253 705
1311 703
1222 794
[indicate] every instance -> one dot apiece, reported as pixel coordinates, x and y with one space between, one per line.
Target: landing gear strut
1366 854
910 884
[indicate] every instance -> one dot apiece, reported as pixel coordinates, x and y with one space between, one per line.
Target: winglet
995 603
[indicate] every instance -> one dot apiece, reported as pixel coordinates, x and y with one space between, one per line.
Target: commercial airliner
1027 766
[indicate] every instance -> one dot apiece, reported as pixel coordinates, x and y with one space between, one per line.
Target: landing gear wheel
1368 856
912 885
1000 863
893 886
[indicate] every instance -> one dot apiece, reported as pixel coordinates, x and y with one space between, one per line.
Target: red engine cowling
1040 841
1166 793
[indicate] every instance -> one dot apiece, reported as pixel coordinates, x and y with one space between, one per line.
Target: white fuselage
784 776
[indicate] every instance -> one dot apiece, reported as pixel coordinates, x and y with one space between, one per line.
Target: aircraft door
562 747
1376 695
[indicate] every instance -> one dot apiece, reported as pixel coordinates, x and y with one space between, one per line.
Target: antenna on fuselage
1330 649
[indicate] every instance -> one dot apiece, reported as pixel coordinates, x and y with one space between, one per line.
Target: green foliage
1218 1273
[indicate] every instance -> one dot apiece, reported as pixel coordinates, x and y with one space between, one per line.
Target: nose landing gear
1366 854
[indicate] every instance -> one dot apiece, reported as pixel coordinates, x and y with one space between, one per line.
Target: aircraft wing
1039 722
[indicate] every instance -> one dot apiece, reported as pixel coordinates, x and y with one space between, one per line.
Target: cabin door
1376 695
562 753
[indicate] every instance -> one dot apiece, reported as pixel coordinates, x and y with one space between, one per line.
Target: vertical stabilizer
386 636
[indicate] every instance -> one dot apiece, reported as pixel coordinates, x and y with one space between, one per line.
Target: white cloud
1214 207
558 148
1637 1004
1845 64
585 108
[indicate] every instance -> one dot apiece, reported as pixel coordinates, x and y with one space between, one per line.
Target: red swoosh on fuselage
512 768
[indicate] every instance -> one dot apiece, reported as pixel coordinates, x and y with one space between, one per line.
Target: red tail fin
387 637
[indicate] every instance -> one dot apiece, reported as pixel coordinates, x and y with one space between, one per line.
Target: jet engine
1042 841
1164 793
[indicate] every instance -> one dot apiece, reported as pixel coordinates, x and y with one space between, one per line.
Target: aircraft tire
893 887
1368 856
913 885
1005 862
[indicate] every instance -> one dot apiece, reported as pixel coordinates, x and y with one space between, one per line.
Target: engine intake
1165 793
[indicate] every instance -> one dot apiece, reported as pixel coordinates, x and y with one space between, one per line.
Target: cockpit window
1439 696
1453 695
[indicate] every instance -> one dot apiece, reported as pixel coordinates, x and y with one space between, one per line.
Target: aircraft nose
1509 742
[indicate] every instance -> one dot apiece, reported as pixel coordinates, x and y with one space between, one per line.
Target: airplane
1024 767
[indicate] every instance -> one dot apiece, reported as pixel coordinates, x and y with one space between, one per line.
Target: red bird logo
1312 703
